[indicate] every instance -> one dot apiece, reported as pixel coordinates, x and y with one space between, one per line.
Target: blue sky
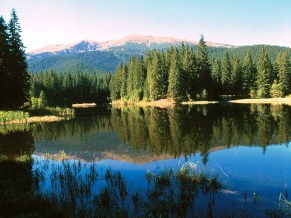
240 22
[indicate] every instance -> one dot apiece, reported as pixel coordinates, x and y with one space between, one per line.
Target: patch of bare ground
286 101
198 102
84 105
162 103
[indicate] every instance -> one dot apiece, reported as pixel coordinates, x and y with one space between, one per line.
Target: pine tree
284 72
226 70
249 75
189 66
155 77
216 76
139 79
4 65
203 67
236 79
115 83
176 88
265 75
123 88
20 79
42 101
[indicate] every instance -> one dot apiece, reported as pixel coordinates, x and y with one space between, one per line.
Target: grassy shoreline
48 114
168 103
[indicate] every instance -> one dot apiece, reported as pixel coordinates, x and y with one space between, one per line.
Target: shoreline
168 103
36 119
286 101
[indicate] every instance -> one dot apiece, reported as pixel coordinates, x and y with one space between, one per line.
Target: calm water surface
247 146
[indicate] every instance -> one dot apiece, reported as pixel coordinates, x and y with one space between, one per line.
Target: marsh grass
33 187
83 190
8 116
52 111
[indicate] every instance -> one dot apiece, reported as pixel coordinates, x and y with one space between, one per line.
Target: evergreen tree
115 83
176 88
189 66
19 80
226 70
265 75
216 76
276 90
249 75
203 67
130 77
4 65
42 101
284 72
139 78
236 80
156 78
123 88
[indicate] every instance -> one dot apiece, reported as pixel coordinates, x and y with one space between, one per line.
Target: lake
246 146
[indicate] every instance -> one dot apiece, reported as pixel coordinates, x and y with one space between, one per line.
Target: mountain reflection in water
141 135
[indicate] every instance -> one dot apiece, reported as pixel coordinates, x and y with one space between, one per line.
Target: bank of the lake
46 114
169 103
286 101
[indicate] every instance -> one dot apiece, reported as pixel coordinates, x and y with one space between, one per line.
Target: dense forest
94 61
14 78
64 89
185 74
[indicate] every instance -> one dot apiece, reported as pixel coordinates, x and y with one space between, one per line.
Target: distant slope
105 56
87 61
254 50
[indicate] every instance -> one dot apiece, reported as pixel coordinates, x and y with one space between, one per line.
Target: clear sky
237 22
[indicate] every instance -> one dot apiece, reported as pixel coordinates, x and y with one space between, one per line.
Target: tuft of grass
53 111
10 116
25 157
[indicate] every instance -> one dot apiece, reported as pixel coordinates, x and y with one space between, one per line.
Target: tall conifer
20 80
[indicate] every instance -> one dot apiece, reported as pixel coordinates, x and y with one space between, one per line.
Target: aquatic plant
9 116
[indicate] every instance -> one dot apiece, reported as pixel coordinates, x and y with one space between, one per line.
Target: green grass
53 111
8 116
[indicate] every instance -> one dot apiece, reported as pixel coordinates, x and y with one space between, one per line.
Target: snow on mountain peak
90 45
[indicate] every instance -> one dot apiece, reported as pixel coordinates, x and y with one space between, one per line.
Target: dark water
247 146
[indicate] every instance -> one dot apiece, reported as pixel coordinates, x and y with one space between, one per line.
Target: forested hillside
95 61
186 73
108 60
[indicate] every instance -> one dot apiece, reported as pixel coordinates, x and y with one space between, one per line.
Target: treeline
183 74
63 89
14 79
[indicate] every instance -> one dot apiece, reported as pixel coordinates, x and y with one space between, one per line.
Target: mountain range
87 55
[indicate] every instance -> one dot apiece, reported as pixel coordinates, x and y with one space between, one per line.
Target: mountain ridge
91 45
92 56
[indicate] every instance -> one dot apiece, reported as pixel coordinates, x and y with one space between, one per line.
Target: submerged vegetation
43 187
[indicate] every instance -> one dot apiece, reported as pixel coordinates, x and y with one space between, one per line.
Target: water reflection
186 130
129 139
133 132
16 182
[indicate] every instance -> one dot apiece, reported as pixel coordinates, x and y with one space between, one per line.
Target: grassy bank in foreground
168 103
47 114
